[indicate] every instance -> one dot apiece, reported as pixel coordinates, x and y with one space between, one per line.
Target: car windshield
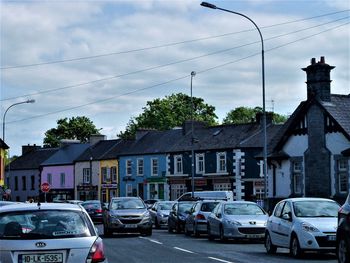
183 207
44 224
243 209
315 208
165 206
127 204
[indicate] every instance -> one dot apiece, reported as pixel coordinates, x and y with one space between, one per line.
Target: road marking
184 250
221 260
152 240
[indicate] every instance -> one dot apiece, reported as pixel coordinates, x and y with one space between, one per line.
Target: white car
302 224
48 232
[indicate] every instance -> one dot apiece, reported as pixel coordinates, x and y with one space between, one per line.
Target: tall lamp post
3 118
205 4
193 73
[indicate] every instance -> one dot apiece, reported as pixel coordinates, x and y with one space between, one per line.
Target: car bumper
120 227
317 241
244 232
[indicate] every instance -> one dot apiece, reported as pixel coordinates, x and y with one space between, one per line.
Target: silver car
302 224
237 219
196 222
127 215
160 213
48 232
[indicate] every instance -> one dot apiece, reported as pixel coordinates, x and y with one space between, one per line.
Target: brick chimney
29 148
259 117
318 80
95 138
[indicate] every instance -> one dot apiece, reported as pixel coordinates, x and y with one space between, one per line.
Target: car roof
298 199
45 206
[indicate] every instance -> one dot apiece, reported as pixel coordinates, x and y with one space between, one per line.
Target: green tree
76 128
246 115
169 112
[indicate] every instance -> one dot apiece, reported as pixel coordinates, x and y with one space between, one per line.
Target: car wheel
222 234
156 224
343 251
210 236
295 249
195 230
187 232
270 248
170 229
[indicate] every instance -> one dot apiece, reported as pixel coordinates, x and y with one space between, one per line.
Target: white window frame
297 178
104 173
342 175
154 167
219 165
86 176
178 164
128 190
200 164
114 174
128 167
140 167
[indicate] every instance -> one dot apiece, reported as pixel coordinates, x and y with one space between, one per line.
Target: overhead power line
179 78
168 64
161 46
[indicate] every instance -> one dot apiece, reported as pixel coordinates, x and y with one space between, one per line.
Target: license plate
41 258
130 226
253 236
332 238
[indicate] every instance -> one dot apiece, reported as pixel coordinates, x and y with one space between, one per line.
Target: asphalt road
175 248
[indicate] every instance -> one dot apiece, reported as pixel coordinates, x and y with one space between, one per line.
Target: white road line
152 240
221 260
184 250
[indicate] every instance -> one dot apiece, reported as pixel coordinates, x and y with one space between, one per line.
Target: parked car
48 232
207 195
74 201
150 202
343 232
177 216
196 222
94 209
127 215
3 203
160 213
237 219
302 224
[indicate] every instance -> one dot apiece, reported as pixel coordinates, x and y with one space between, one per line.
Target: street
166 247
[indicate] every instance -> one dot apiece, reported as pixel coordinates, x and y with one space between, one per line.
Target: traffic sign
45 187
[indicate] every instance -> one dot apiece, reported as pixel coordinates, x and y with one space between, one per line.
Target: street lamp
3 118
193 73
205 4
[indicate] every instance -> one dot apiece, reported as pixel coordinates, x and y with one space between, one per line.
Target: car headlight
308 227
233 222
146 216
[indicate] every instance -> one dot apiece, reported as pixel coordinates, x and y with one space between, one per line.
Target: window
86 176
177 190
16 183
49 178
128 167
297 177
222 187
104 174
221 162
178 164
140 167
62 179
24 183
32 182
114 174
200 163
342 176
128 189
154 167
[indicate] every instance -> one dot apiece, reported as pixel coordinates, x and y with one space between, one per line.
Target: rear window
91 205
44 224
208 207
243 209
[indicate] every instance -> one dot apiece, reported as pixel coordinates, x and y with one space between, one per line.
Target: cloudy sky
106 59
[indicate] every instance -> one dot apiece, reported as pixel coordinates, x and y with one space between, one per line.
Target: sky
106 59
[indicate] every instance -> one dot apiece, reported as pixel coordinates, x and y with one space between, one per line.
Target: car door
285 227
274 222
216 220
173 216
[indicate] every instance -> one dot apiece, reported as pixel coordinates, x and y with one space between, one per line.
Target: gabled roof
66 154
97 150
32 159
3 145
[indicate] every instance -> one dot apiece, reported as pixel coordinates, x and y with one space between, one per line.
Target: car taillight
96 253
99 211
200 217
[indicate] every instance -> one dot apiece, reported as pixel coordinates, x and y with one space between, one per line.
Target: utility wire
167 64
162 46
179 78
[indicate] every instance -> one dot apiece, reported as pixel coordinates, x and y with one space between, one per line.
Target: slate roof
3 145
97 150
32 159
66 154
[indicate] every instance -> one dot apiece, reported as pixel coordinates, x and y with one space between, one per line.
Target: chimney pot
313 61
322 60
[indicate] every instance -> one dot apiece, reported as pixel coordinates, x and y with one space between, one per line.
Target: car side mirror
287 216
219 215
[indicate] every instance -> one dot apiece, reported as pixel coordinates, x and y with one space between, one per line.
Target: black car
94 209
343 233
178 214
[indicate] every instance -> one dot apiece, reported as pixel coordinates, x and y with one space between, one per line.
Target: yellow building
3 148
109 179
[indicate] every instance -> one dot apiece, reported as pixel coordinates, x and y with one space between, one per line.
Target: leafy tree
167 113
246 115
76 128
